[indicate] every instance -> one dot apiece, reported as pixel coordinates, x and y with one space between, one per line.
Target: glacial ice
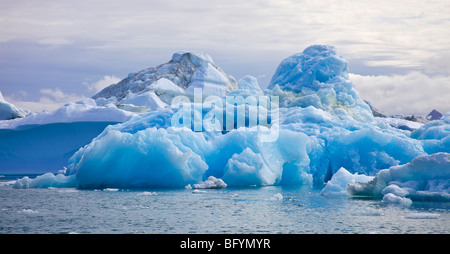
9 111
43 142
435 135
426 177
85 110
184 72
147 99
337 186
324 131
249 83
46 180
210 183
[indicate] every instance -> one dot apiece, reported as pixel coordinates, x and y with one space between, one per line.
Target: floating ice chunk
28 211
426 177
197 191
391 199
337 186
147 193
210 183
9 111
277 197
8 183
396 190
82 111
47 180
422 215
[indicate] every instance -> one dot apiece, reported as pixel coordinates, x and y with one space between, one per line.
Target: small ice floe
392 199
277 197
28 211
422 216
147 193
370 212
110 189
210 183
197 191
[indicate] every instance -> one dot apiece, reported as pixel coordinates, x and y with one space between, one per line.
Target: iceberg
426 177
210 183
337 186
9 111
85 110
435 135
309 127
320 70
43 142
249 83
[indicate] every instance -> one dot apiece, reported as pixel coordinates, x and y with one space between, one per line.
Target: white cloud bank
51 99
412 93
102 83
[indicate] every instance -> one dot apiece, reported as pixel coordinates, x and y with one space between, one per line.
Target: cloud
412 93
102 83
54 42
410 31
54 98
439 64
50 99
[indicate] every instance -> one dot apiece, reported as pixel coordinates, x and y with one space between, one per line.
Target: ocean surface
266 210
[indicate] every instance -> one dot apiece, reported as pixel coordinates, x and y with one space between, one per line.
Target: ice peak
197 58
185 71
316 64
9 111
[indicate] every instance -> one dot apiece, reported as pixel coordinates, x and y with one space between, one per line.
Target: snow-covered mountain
434 115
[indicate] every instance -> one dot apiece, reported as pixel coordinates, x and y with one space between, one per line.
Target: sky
55 52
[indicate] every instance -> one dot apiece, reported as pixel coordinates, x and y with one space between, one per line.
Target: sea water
266 210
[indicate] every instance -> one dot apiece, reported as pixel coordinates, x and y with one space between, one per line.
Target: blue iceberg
309 123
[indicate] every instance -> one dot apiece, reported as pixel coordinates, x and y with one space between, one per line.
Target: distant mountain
376 112
434 115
